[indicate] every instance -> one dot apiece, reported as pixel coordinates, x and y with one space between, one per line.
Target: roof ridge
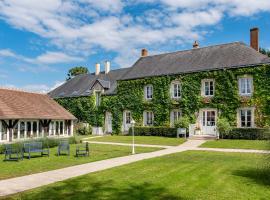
210 46
20 90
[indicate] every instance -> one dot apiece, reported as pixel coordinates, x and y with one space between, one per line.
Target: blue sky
39 42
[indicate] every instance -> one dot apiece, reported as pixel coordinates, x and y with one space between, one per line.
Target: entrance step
203 137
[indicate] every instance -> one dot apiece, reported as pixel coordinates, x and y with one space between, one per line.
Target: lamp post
133 144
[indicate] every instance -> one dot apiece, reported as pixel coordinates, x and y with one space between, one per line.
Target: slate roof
81 85
231 55
16 104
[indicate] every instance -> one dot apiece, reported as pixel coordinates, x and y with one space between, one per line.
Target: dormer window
98 97
148 92
208 87
176 90
245 85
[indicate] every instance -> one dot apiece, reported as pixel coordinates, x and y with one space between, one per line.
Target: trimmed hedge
50 142
154 131
248 134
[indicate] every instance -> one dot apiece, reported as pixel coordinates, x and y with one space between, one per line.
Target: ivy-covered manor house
204 83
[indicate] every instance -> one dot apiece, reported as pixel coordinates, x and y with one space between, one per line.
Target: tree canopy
75 71
265 51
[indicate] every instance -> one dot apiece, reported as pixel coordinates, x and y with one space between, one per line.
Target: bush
223 126
248 134
83 129
183 122
154 131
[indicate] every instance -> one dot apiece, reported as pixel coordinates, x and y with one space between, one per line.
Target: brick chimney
97 68
144 53
196 45
107 67
254 38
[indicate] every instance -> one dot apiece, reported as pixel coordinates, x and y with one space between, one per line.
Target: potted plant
197 130
182 125
223 127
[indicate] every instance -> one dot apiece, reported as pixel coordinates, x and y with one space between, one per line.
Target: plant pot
197 132
181 131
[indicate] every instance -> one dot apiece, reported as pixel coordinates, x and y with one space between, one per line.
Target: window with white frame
208 87
148 92
175 90
245 85
246 118
127 117
175 116
148 118
98 97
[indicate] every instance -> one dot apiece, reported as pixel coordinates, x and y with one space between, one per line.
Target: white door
208 121
127 120
108 122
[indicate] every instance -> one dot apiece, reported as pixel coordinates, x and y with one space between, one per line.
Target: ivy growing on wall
130 97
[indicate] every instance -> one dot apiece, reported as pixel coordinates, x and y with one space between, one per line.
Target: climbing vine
130 97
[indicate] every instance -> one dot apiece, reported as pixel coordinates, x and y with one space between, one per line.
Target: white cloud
39 88
106 5
46 58
57 57
78 28
7 53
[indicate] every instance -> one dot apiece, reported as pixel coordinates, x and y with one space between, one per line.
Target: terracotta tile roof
16 104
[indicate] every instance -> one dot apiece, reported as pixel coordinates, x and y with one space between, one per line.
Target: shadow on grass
82 189
260 174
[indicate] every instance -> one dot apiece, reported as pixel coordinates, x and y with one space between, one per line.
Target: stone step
202 137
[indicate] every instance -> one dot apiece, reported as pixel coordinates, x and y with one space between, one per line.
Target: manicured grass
187 175
238 144
10 169
154 140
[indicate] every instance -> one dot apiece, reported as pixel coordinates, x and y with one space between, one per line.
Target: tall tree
265 51
75 71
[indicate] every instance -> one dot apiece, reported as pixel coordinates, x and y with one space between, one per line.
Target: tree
75 71
265 51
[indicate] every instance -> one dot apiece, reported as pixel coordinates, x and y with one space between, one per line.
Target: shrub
154 131
183 122
83 129
248 134
223 126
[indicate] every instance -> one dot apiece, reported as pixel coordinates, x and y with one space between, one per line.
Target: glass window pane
248 85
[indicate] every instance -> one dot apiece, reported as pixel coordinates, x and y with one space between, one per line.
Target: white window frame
146 120
239 119
203 91
126 113
178 90
245 80
148 92
173 119
98 100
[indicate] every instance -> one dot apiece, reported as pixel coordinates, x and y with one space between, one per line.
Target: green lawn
10 169
187 175
238 144
155 140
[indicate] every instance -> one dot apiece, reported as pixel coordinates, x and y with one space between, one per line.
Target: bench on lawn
13 152
63 147
82 149
35 147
